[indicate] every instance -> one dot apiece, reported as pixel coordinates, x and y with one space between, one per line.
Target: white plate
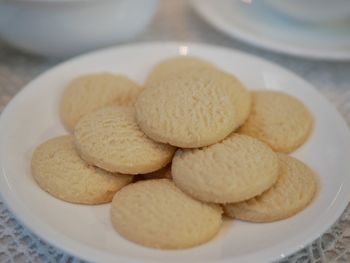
86 231
255 23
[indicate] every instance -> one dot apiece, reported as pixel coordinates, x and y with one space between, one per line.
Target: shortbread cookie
278 119
110 139
242 102
173 65
190 109
90 92
294 190
58 169
155 213
236 169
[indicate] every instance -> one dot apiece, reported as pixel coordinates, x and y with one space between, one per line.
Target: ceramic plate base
255 23
86 231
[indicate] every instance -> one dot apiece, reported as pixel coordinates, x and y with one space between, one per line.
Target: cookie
155 213
242 102
190 109
294 190
173 65
58 169
110 139
279 120
236 169
90 92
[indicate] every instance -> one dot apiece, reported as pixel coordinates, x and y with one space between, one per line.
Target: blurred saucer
261 26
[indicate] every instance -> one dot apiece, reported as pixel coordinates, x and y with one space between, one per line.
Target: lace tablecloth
176 21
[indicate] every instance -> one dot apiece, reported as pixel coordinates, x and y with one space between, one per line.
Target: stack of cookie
174 155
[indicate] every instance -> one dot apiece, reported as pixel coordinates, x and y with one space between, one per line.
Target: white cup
68 27
314 11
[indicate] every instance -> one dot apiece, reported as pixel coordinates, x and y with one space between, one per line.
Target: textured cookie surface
278 119
238 168
58 169
190 109
242 101
90 92
110 139
294 190
155 213
174 65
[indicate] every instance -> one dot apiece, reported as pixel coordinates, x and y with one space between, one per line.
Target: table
175 20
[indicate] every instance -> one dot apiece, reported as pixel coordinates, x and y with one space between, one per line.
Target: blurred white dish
86 231
257 24
64 28
313 10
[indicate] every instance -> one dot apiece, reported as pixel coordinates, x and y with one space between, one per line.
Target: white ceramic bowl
313 10
67 27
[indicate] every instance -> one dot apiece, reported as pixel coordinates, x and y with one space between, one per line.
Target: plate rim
218 22
13 204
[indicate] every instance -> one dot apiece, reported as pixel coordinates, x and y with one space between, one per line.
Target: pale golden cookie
294 190
110 139
173 65
155 213
242 102
191 109
278 119
90 92
236 169
58 169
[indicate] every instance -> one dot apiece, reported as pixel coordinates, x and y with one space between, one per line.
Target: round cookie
242 102
90 92
111 139
279 120
155 213
173 65
190 109
236 169
293 191
58 169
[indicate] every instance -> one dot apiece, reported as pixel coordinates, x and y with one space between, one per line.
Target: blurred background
310 38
